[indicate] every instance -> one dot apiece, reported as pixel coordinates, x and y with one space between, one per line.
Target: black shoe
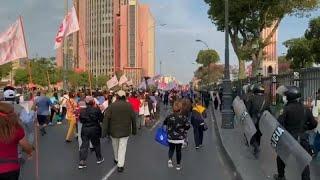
120 169
276 177
115 162
82 165
68 141
91 150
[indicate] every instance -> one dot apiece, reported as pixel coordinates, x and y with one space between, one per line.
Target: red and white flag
69 25
112 82
12 43
123 79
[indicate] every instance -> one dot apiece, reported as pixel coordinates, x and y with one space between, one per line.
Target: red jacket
135 103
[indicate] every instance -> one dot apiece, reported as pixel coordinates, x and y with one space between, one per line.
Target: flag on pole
123 79
69 25
12 43
112 82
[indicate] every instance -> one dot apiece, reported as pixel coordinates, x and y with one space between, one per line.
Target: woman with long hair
177 125
11 135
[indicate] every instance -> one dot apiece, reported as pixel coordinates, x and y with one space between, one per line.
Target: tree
206 57
210 74
247 20
299 53
313 35
283 65
100 81
5 70
21 76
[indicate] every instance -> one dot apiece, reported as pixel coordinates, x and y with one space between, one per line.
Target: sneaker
197 147
170 165
120 169
50 124
178 168
276 177
100 161
82 166
59 123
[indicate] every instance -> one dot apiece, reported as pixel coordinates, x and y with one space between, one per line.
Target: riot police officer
296 119
256 105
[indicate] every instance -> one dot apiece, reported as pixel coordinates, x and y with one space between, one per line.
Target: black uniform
297 119
256 105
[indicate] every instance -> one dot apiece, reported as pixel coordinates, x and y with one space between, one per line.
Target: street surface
146 159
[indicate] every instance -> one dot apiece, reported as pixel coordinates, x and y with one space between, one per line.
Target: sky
176 48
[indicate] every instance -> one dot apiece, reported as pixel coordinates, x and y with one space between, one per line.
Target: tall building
115 35
270 61
137 32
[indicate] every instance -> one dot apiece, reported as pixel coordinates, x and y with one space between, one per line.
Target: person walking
296 119
90 118
197 120
135 103
71 117
177 125
43 105
54 108
119 122
11 136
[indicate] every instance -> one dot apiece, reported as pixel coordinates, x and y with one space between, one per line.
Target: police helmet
258 89
292 93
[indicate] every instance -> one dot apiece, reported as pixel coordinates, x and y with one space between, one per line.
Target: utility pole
65 53
227 113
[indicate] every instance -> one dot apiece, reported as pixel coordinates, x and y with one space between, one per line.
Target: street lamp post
227 113
199 40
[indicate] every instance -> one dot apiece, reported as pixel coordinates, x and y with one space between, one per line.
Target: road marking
107 176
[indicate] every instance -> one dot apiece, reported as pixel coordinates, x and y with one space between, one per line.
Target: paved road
146 160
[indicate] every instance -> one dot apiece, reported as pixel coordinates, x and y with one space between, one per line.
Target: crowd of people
113 115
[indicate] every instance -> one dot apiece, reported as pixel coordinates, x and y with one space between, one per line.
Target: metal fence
307 79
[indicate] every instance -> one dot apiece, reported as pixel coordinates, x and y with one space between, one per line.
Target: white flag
112 82
69 25
12 43
130 83
123 79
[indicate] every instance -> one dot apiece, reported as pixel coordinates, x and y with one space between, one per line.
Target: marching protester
54 108
90 117
119 122
186 111
296 119
135 103
11 136
177 125
43 104
198 122
71 117
256 105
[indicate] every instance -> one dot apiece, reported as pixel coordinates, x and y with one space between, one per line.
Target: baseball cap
121 93
9 93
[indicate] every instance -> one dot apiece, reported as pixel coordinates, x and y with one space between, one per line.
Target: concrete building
137 49
270 62
115 35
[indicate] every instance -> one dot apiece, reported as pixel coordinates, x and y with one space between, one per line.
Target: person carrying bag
198 122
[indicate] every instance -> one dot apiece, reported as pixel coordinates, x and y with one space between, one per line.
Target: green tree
21 76
299 53
247 20
206 57
210 74
5 70
100 81
313 35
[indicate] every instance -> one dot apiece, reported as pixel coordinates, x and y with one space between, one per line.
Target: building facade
115 35
270 61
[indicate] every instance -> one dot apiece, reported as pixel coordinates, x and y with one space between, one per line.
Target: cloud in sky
186 20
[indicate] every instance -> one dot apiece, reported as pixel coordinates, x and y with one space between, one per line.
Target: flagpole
25 45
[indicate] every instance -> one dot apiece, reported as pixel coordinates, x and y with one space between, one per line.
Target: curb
237 174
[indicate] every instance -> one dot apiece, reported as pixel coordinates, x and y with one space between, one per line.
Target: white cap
9 94
121 93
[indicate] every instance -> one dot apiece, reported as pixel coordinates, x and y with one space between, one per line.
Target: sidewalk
246 165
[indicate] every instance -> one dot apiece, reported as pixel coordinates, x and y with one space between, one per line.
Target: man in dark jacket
296 119
90 117
119 122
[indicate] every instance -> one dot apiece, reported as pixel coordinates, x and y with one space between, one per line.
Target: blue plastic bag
162 136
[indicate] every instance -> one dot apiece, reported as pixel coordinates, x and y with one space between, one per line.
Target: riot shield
246 123
284 145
